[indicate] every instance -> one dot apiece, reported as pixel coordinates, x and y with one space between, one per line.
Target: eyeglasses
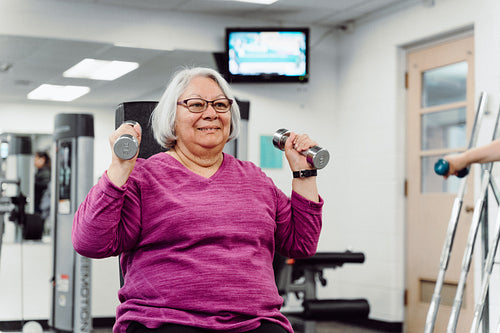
198 105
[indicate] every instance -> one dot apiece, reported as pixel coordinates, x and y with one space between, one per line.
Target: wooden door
440 114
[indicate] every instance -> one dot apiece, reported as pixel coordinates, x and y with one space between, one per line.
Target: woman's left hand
294 146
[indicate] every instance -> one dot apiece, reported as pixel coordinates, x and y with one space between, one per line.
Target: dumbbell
442 167
316 156
126 146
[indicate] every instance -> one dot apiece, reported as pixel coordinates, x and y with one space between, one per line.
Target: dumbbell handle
316 156
442 167
126 146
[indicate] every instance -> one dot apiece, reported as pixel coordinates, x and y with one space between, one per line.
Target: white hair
164 114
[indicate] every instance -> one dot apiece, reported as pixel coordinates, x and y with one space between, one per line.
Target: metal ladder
479 218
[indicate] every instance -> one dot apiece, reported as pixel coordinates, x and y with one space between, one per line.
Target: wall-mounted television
267 54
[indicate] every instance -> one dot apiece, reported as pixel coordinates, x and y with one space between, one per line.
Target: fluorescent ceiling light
50 92
100 69
135 46
262 2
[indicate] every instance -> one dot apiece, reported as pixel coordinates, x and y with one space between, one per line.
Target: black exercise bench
299 276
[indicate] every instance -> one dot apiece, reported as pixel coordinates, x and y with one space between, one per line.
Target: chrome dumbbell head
126 146
280 137
316 156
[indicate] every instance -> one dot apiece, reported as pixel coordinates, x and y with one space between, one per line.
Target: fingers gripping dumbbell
126 146
316 156
442 167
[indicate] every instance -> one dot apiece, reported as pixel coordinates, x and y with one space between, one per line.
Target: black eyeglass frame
184 103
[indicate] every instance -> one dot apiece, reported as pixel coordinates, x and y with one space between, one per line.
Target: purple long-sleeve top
196 251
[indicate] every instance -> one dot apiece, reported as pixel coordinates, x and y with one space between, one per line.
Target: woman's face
208 129
39 161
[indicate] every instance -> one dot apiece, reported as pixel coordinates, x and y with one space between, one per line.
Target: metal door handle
469 209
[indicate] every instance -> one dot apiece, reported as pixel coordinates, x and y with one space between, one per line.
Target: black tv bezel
266 78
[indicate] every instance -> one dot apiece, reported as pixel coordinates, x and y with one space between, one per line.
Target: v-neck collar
190 172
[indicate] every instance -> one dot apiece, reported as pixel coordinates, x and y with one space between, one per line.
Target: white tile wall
370 67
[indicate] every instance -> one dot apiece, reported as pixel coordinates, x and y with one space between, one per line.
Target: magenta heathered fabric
196 251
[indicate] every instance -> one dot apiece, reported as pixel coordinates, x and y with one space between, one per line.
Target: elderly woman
197 228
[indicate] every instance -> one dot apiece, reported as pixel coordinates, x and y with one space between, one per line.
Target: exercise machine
16 190
73 177
288 272
7 206
300 276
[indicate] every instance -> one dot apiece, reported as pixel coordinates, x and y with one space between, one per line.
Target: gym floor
340 327
321 327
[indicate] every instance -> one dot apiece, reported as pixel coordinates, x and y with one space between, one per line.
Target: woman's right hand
119 170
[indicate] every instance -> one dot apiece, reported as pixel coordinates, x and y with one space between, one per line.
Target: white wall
369 211
353 105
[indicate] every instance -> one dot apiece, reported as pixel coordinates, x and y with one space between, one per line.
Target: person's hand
294 146
456 163
119 170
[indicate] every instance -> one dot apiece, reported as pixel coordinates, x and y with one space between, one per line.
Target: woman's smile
210 129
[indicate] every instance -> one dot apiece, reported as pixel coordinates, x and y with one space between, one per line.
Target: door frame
403 104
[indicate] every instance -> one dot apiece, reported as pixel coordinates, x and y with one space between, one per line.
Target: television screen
267 54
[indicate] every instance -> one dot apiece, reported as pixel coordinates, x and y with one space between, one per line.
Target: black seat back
141 113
